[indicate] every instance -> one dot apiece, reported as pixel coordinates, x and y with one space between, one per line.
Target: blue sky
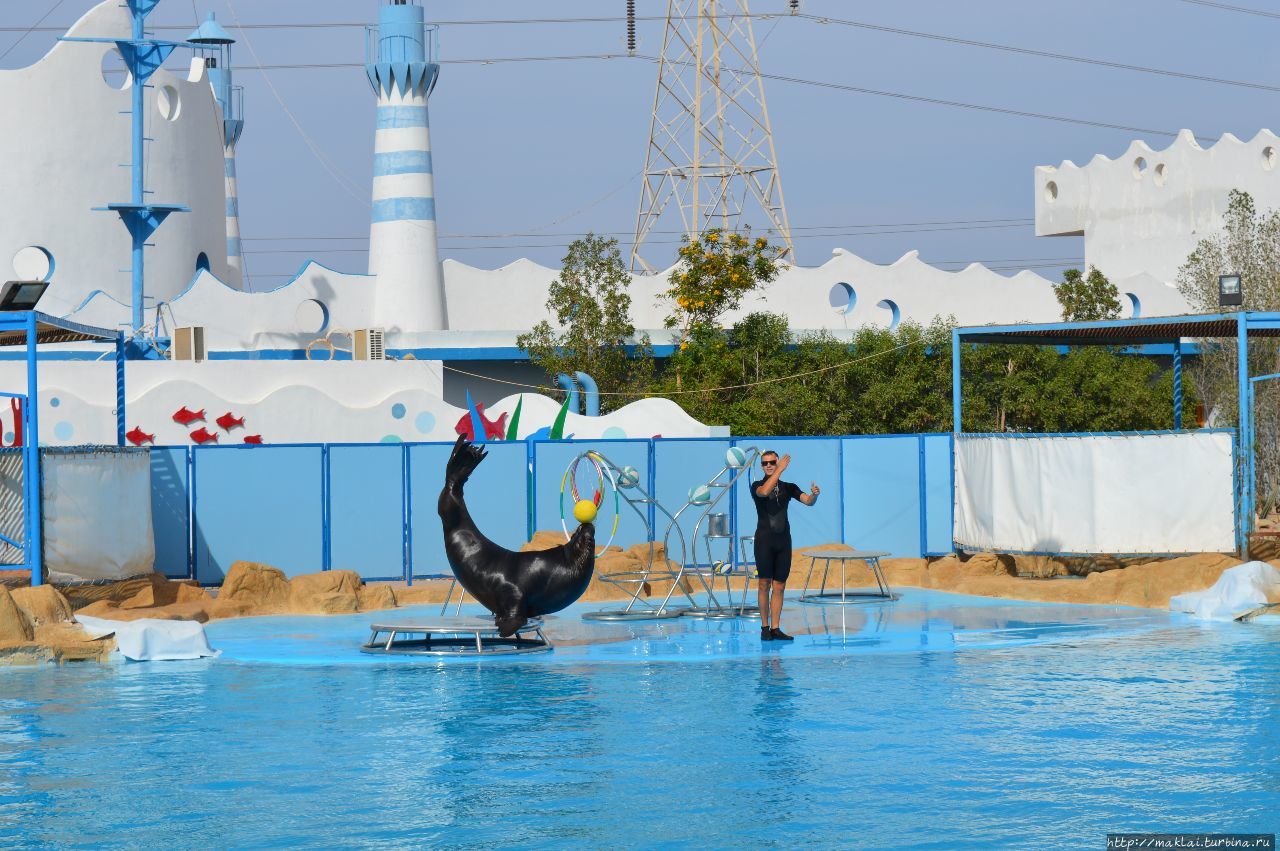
529 155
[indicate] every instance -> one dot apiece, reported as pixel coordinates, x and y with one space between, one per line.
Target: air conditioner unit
188 343
366 344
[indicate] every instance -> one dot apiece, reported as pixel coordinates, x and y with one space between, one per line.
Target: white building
1140 215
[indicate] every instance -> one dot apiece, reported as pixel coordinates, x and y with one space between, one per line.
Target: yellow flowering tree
715 270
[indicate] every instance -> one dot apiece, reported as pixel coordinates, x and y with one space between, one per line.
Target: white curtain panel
1152 493
97 515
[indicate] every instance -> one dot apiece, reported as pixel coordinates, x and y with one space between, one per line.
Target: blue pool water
937 721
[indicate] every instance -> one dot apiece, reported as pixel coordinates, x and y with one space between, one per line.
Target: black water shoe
779 635
766 634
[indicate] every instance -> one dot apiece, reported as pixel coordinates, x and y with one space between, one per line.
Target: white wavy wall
1145 210
291 402
66 132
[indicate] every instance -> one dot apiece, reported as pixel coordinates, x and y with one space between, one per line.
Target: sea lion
514 586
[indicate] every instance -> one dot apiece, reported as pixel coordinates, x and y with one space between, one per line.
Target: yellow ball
584 511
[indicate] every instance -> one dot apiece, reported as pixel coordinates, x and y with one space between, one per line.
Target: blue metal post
139 164
34 541
955 380
1177 383
326 551
924 529
1244 432
406 515
120 410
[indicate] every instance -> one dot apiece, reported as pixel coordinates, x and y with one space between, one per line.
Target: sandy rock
375 597
264 588
1035 567
906 571
1264 548
80 596
200 612
189 592
424 592
327 593
42 605
14 626
68 642
544 539
100 609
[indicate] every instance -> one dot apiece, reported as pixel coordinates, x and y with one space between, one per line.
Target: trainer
773 539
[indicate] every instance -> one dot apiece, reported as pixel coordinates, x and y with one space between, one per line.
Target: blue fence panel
882 494
550 461
938 494
813 461
366 510
679 466
497 498
257 503
170 511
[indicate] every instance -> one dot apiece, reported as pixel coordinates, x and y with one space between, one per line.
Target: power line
1024 220
652 242
1019 113
1231 8
979 107
1045 54
29 30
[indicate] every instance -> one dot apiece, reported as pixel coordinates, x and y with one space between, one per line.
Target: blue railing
372 507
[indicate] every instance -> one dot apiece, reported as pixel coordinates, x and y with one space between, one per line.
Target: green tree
1247 245
759 378
1084 299
592 308
714 271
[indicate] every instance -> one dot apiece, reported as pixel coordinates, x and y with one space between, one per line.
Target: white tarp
152 640
1239 590
97 514
1152 493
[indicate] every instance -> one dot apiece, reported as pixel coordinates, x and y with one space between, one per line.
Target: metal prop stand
454 637
708 573
634 583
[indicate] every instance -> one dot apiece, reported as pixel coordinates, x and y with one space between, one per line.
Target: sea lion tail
463 461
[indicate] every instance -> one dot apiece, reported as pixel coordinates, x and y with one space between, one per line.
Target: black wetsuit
773 530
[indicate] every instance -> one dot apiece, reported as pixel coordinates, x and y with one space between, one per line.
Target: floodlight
1229 291
21 295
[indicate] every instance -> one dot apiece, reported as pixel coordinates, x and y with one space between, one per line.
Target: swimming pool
937 721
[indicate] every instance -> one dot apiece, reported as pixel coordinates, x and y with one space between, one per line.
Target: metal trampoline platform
456 636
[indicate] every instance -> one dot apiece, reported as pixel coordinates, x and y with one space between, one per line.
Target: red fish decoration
253 438
202 436
182 416
228 422
16 406
138 437
492 430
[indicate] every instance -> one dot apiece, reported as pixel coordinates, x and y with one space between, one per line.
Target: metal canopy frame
31 328
1242 325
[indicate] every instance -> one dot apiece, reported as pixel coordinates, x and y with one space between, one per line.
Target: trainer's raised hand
783 463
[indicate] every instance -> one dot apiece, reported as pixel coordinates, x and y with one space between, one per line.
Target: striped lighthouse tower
215 47
403 253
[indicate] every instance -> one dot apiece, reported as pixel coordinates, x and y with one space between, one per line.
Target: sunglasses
768 463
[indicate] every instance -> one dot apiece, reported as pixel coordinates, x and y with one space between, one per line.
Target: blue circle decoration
54 402
614 433
397 411
425 422
63 430
392 438
8 437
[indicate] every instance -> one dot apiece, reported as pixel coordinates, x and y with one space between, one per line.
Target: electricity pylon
710 144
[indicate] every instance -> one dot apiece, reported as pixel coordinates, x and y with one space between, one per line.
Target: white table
844 596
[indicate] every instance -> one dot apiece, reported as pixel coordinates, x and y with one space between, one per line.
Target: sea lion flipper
508 623
464 459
